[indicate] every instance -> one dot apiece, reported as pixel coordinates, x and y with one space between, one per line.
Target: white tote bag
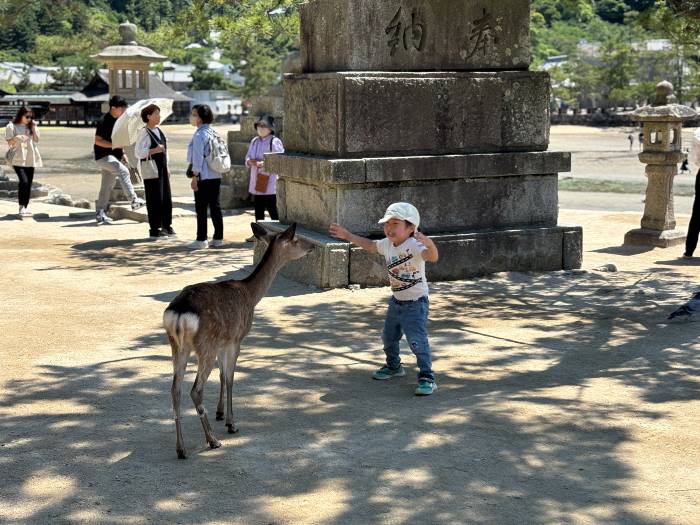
149 169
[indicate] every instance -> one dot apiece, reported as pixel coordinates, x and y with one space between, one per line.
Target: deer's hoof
181 453
214 444
232 429
219 416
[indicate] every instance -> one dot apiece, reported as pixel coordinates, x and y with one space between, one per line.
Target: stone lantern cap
128 48
663 109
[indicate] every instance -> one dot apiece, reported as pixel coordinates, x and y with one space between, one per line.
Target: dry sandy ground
563 397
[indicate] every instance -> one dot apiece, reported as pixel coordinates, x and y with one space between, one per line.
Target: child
405 250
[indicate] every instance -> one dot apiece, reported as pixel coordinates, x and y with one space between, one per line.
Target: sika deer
211 320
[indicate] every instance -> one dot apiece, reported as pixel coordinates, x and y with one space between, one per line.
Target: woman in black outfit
152 145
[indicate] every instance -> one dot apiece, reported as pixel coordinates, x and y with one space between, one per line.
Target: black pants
691 241
207 196
26 177
159 202
265 202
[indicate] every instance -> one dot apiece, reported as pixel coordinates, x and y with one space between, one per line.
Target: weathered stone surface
572 255
414 35
234 188
445 205
323 170
334 264
662 239
347 114
326 266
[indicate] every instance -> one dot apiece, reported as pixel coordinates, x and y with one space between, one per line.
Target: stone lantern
662 151
129 64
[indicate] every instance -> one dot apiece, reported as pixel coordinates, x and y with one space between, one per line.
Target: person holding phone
22 135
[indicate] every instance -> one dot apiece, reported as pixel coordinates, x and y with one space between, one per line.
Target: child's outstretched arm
336 230
431 253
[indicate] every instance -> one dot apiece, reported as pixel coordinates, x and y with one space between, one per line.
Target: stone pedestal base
336 264
662 239
234 188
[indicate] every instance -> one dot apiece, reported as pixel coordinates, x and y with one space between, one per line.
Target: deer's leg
197 394
180 356
222 383
230 369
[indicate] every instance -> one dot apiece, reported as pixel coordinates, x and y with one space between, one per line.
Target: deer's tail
180 326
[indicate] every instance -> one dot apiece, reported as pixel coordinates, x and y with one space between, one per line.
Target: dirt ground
563 397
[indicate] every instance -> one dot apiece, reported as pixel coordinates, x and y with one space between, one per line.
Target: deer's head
285 245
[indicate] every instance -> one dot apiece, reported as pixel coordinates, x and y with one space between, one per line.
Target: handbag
149 169
261 182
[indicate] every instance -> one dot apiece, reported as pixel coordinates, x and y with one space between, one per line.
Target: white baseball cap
402 211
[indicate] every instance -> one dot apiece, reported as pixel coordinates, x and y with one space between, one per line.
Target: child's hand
336 230
421 237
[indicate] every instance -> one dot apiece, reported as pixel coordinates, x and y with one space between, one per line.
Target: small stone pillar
661 152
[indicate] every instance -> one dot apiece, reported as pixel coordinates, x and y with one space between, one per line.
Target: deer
211 319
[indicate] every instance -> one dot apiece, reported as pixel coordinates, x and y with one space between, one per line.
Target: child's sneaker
425 387
387 373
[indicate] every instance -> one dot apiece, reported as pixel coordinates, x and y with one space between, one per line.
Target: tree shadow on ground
321 442
146 255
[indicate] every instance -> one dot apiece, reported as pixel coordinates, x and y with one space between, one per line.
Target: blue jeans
410 318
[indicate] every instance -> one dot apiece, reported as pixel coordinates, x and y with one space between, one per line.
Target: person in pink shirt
263 185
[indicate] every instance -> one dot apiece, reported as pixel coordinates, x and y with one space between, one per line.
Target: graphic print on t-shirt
403 273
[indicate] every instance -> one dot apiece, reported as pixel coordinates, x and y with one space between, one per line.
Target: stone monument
662 151
430 102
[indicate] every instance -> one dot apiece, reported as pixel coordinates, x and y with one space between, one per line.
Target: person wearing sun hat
406 250
262 184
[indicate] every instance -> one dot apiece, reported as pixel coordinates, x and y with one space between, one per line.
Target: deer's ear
260 232
288 234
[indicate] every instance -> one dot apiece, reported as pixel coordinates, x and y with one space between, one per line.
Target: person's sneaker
102 218
198 245
217 243
250 239
685 255
137 203
425 387
169 231
157 234
387 373
24 212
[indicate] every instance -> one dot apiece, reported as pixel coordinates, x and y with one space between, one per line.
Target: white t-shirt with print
406 268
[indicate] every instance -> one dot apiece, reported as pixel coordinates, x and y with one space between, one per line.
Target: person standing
691 240
206 183
630 137
22 135
262 185
152 145
112 161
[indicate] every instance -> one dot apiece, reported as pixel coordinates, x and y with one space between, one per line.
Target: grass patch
615 186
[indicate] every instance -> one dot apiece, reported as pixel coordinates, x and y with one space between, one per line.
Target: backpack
218 159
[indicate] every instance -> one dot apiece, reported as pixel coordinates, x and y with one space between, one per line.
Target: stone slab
234 188
662 239
367 114
326 266
328 170
414 35
445 205
334 264
482 253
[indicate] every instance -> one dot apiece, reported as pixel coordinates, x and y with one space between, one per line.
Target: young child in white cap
406 250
